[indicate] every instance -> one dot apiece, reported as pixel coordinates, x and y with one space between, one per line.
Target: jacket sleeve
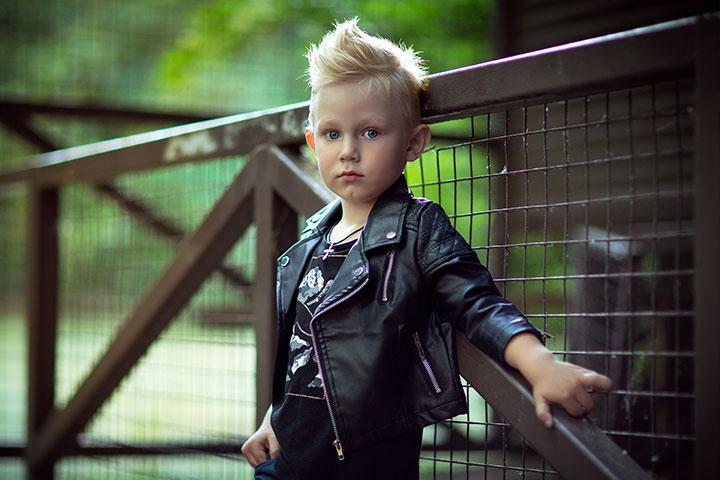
464 291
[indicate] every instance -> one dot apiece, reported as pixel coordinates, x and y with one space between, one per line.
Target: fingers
254 451
542 410
595 382
569 386
574 406
274 445
584 401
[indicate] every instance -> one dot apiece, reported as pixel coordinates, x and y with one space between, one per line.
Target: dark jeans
394 458
266 471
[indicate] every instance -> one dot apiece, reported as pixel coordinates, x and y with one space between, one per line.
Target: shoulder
437 239
423 214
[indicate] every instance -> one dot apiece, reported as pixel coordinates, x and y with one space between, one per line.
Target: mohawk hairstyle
348 53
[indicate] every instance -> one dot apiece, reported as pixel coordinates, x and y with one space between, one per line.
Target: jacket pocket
386 285
427 367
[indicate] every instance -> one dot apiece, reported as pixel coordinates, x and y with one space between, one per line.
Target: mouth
350 175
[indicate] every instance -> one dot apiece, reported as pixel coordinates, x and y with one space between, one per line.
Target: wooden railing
274 185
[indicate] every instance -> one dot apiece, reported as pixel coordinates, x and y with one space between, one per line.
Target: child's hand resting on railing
553 381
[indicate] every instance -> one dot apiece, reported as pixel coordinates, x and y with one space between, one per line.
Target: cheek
323 163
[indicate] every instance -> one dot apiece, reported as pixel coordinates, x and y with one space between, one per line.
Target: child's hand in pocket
262 445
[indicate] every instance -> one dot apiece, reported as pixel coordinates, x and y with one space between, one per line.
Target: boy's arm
262 445
468 297
462 289
553 381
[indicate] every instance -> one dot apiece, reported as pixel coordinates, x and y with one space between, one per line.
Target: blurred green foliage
449 34
210 56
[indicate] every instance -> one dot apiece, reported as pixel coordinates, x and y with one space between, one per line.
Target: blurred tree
210 57
449 34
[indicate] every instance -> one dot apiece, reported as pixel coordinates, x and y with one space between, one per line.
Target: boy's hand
553 381
565 384
262 445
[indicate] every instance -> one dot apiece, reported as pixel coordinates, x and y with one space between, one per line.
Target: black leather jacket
384 332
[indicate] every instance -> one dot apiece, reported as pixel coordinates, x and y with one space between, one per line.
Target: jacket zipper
336 443
426 363
386 280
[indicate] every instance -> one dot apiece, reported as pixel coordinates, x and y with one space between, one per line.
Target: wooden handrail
491 86
574 447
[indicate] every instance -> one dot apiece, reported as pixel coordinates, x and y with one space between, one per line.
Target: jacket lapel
385 226
290 270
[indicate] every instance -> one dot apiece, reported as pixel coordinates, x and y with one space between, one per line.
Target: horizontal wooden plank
602 64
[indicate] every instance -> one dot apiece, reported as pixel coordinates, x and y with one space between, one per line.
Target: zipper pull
418 345
339 450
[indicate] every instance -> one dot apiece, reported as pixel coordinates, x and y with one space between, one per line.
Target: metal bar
623 59
196 257
593 241
575 448
706 252
42 304
636 313
599 276
669 153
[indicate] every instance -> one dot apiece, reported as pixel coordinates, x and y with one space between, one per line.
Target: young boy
369 296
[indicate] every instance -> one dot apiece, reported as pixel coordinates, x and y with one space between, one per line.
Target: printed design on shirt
311 292
303 378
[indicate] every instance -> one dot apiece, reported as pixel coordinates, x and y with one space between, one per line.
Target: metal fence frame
689 48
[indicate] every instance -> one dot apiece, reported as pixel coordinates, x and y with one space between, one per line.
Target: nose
349 151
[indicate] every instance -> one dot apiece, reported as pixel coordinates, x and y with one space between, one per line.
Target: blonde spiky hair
348 53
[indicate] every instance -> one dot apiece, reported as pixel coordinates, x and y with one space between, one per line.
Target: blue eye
371 133
333 135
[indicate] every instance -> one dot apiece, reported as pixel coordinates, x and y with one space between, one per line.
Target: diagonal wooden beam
162 226
196 257
24 107
295 185
18 123
576 448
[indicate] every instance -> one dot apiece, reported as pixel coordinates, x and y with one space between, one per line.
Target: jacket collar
385 223
385 226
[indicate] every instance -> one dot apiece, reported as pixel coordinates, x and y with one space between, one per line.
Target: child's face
361 141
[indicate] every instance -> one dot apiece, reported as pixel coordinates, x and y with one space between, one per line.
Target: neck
354 214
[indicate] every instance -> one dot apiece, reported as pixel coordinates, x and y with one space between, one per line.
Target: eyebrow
362 121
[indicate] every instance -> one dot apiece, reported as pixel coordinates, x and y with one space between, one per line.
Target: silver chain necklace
330 250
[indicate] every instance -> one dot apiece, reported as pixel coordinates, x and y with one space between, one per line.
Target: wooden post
707 255
42 296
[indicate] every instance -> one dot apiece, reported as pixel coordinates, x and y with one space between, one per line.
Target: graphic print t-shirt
305 432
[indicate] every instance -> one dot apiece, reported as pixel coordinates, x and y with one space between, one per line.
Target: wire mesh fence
582 210
194 390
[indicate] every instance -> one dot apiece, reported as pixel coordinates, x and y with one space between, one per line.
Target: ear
419 139
310 139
